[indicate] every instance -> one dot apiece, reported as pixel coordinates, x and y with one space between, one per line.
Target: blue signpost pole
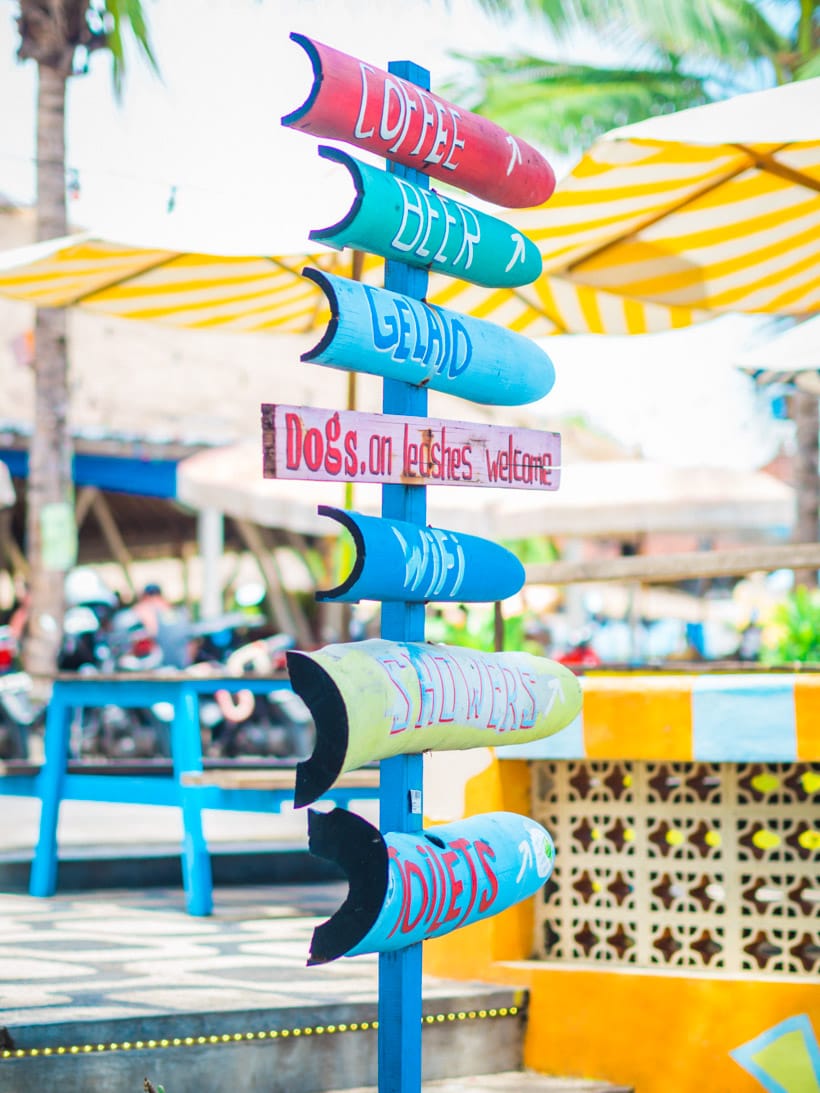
400 797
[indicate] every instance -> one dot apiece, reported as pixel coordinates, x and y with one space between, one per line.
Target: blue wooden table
181 783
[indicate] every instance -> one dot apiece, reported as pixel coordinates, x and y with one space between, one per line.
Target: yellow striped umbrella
661 224
264 293
715 208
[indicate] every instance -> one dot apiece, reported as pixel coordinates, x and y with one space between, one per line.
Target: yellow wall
661 1033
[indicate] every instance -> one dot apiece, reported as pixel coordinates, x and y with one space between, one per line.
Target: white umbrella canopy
792 357
597 498
715 208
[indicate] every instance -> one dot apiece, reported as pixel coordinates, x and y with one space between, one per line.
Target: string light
236 1037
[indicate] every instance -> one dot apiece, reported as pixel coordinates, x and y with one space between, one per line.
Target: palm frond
729 33
565 106
119 15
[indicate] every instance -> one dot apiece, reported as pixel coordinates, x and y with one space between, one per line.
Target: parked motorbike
276 724
19 713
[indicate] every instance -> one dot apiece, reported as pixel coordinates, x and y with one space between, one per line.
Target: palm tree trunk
806 481
50 512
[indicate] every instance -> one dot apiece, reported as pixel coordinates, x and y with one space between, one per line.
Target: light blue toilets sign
397 220
405 888
387 334
399 561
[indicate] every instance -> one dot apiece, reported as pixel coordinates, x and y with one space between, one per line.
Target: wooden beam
9 547
82 506
112 536
649 568
287 612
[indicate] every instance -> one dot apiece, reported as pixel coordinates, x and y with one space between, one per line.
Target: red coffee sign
332 445
372 109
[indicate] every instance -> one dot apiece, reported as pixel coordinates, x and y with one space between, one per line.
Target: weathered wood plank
679 567
392 117
404 562
387 334
397 220
304 442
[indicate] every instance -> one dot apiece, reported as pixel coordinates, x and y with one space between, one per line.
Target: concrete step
511 1081
300 1049
95 868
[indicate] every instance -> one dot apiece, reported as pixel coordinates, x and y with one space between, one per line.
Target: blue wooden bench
183 782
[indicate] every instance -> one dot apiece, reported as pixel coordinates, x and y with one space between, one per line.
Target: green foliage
682 53
476 630
794 632
116 15
535 550
564 105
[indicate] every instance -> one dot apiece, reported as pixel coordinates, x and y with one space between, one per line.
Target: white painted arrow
515 156
526 859
519 253
556 689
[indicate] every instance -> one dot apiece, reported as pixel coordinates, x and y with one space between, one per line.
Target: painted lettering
434 156
449 219
392 93
410 872
471 236
463 847
448 163
411 208
350 453
397 867
359 130
433 206
486 854
442 901
427 119
449 857
402 704
293 432
528 683
311 443
427 689
510 719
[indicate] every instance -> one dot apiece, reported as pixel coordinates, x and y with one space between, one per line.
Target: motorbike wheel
13 741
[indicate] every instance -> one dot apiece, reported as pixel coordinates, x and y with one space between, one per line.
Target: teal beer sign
397 220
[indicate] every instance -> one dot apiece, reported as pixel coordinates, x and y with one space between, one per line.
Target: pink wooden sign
346 446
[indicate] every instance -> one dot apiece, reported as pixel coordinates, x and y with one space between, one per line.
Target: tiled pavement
91 956
120 965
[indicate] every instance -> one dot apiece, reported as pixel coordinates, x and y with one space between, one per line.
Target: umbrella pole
806 480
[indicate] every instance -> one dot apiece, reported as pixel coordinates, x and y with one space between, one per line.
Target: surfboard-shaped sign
397 220
391 117
323 445
375 699
394 336
399 561
406 888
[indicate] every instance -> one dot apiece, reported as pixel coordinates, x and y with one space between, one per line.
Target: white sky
211 129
